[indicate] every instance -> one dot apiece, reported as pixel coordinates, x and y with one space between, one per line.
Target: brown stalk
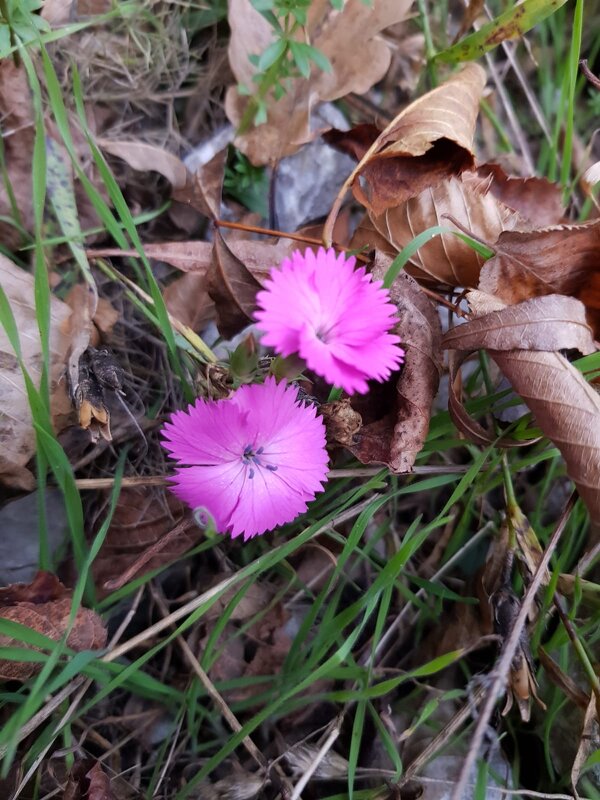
508 652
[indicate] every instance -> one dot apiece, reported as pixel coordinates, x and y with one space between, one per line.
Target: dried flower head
336 317
253 460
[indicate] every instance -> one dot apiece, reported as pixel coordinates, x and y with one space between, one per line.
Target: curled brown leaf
547 323
564 259
565 406
396 438
429 141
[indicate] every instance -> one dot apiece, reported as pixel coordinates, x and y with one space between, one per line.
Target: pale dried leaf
446 259
197 257
588 742
17 437
148 157
16 112
188 301
339 35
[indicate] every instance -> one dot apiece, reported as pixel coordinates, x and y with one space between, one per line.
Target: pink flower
337 318
253 460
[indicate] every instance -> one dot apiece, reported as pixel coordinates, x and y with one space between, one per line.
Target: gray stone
19 540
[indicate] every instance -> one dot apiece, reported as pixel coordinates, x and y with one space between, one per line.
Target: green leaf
272 54
319 58
509 25
300 58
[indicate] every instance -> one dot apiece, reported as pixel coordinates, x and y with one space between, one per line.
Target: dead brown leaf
87 782
148 157
232 287
429 141
142 518
546 323
188 301
99 788
446 259
45 606
17 437
537 200
564 259
339 35
16 112
201 190
565 406
396 438
197 257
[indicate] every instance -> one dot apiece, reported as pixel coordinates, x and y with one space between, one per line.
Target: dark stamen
272 467
251 473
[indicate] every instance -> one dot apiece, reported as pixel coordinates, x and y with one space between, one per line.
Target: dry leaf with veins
564 405
446 259
397 438
44 605
428 142
351 40
564 259
143 517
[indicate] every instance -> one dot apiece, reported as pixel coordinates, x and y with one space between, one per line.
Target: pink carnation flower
336 317
253 460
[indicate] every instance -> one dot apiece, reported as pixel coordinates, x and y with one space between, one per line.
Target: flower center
252 458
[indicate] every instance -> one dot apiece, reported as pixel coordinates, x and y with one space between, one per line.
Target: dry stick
326 747
379 656
221 587
350 472
589 74
508 652
211 690
511 116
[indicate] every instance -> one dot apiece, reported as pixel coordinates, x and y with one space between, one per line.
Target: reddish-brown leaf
396 438
536 199
99 787
142 519
45 606
233 289
446 259
561 260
